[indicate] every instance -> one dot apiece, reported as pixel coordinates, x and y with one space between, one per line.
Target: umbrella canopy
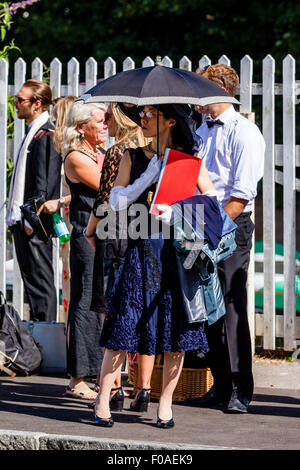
157 85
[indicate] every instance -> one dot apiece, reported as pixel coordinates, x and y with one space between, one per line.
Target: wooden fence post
3 157
269 202
73 77
224 60
289 201
185 63
148 62
246 76
37 69
19 130
128 64
204 61
91 69
55 77
167 62
109 67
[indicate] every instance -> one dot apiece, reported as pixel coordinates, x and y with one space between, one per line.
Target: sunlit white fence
269 325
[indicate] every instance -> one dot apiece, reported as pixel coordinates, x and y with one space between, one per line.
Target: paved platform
35 414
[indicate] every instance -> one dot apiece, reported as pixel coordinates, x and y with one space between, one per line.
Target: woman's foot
77 388
101 410
164 410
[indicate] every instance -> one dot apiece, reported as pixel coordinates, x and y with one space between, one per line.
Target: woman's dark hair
182 132
182 137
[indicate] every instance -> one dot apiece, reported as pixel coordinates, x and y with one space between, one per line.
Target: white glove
167 215
121 197
211 193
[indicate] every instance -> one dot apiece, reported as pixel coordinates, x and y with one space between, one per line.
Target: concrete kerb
19 440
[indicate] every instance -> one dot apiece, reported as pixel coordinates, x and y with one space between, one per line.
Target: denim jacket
200 285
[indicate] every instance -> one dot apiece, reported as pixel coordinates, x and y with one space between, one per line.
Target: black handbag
42 225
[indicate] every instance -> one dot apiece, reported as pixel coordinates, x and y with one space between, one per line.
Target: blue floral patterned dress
145 313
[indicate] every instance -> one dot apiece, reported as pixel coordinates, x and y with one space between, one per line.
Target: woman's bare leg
111 367
173 363
145 369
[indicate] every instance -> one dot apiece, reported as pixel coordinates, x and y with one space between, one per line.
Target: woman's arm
123 177
204 182
81 169
53 205
90 232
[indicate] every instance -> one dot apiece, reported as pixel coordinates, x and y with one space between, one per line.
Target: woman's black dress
145 313
84 354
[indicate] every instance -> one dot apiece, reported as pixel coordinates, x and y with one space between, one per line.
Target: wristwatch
88 236
62 201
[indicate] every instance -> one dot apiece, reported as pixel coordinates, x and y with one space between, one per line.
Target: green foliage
5 25
119 28
10 117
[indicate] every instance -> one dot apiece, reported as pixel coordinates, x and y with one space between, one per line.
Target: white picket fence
287 155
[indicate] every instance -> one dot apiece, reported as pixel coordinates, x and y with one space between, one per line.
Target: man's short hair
223 75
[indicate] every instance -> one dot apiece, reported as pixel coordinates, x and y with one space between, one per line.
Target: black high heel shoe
142 401
116 402
165 424
105 423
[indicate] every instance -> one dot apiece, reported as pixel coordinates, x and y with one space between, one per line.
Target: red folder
178 179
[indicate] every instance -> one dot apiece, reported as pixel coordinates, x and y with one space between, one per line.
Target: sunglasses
107 116
148 114
21 100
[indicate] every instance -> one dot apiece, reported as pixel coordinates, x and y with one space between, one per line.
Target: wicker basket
192 383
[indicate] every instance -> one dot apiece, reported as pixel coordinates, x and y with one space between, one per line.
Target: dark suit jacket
38 180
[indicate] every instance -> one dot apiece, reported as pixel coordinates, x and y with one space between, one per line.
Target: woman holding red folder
146 313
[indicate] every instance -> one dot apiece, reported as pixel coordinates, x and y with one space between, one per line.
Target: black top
82 200
140 163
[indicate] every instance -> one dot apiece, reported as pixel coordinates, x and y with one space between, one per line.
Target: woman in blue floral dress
146 313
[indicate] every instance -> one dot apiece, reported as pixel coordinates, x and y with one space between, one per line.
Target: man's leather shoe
211 398
238 403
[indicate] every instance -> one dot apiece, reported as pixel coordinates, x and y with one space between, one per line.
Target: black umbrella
157 85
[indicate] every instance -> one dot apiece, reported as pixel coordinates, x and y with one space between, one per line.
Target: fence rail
286 155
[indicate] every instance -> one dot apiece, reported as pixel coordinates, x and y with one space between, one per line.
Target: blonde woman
84 137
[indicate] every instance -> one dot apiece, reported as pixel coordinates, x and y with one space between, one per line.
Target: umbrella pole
157 132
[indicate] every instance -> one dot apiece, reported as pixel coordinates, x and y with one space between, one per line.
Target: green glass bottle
60 228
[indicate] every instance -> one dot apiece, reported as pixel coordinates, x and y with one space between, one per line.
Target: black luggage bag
18 350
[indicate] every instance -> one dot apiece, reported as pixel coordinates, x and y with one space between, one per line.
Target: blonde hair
126 128
79 113
59 113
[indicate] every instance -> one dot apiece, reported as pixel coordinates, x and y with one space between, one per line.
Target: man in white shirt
232 148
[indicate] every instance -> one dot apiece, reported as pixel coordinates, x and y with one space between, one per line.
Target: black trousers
230 355
35 261
84 353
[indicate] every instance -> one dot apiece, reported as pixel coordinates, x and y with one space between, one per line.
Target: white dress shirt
234 156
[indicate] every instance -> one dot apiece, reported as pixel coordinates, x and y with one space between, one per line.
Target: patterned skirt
145 313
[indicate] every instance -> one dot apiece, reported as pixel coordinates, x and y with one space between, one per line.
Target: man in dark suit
37 171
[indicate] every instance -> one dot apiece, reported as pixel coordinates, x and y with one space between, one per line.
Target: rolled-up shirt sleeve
248 162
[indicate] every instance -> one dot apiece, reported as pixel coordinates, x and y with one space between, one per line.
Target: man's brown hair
223 75
40 91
